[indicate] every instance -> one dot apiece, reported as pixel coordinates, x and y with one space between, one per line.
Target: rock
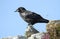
40 36
15 37
30 30
53 28
33 36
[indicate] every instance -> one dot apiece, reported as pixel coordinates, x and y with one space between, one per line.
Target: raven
31 17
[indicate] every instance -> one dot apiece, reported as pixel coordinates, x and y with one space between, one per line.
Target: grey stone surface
15 37
30 30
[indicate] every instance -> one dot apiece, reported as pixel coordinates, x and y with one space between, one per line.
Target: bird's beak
16 10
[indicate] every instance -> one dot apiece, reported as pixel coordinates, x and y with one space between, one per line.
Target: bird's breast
23 15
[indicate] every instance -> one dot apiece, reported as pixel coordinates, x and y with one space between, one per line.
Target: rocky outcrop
53 28
15 37
40 36
33 36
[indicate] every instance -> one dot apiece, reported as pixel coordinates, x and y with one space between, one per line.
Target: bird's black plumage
31 17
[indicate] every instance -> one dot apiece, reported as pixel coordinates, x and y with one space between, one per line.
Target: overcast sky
11 24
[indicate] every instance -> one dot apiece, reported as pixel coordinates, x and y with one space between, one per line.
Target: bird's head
21 9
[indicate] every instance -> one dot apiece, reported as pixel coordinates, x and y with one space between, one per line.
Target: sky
11 24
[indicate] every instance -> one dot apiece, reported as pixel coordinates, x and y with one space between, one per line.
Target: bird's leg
29 24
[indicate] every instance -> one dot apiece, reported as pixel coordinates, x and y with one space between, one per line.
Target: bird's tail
44 21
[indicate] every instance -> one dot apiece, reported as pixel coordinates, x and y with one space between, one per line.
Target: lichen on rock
53 28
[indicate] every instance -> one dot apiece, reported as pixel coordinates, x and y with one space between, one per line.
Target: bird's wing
33 16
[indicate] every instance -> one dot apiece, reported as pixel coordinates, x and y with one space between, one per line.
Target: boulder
53 28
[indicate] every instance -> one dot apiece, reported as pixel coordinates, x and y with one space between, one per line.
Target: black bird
31 17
